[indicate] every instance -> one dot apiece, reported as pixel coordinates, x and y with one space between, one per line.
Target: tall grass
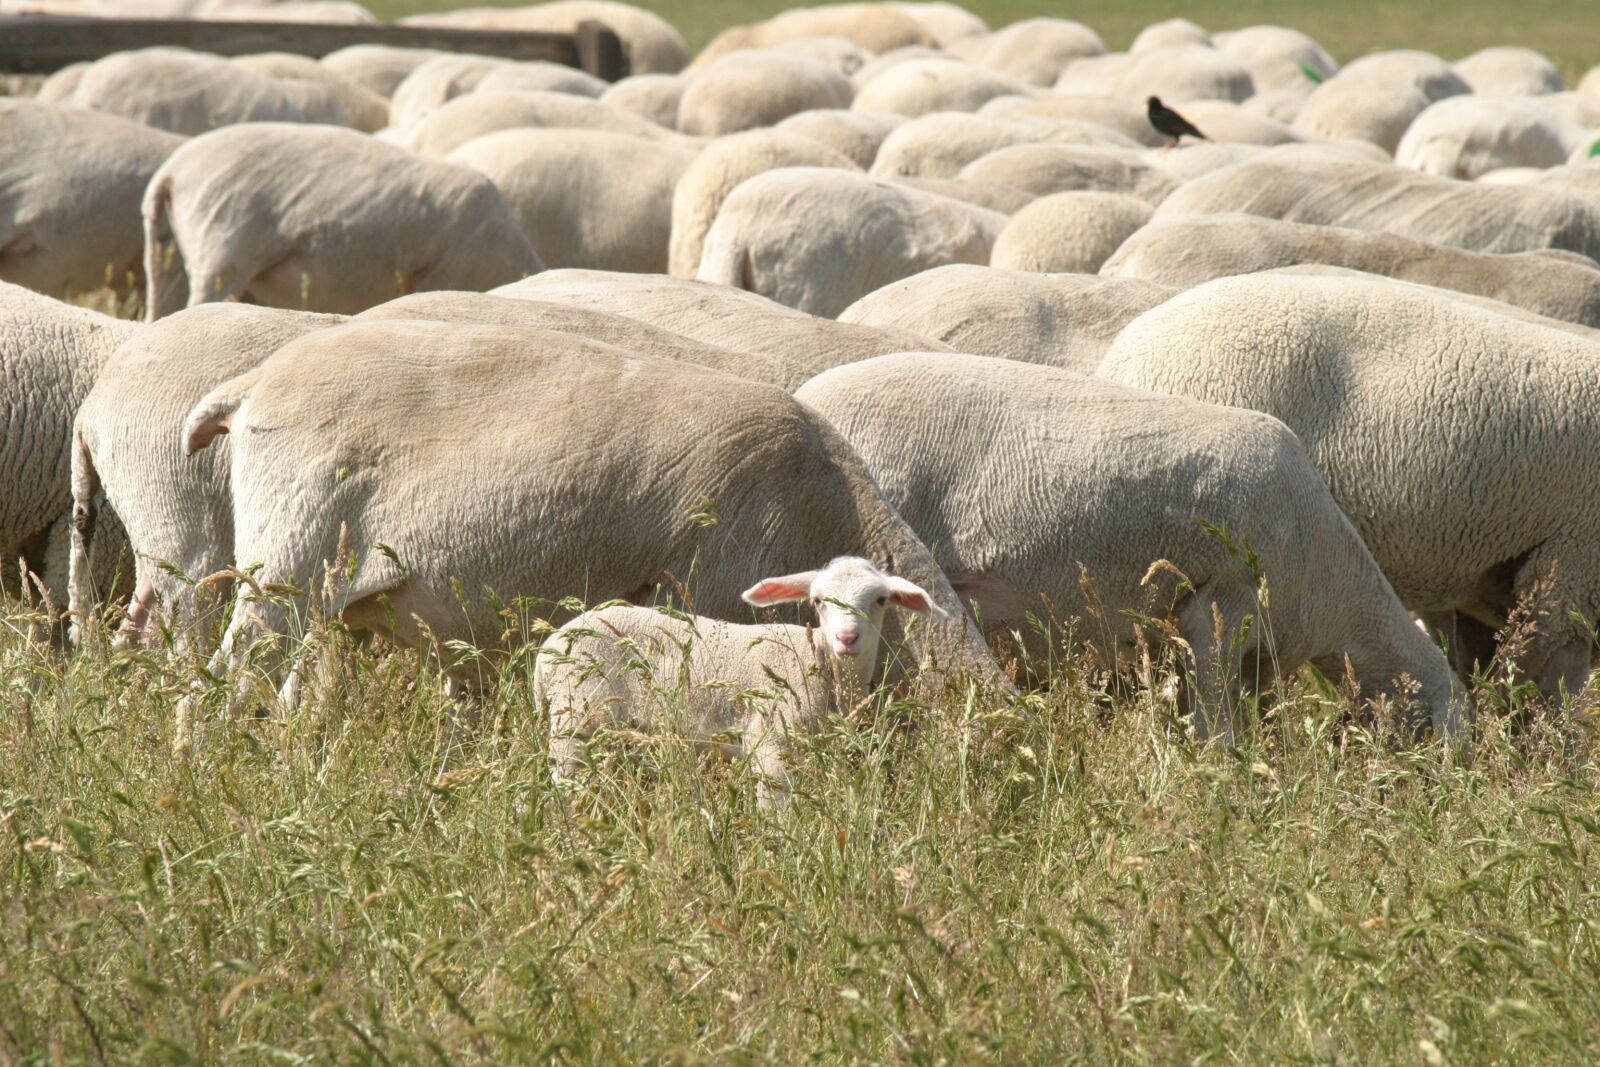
384 876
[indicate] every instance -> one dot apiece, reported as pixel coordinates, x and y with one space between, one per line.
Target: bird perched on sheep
623 665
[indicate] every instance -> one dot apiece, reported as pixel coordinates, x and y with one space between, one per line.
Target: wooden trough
43 44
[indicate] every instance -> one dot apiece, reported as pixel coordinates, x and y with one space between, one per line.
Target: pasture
380 870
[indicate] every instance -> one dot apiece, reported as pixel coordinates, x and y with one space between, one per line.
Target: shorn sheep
624 665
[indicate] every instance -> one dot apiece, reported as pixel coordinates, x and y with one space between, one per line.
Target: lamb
1188 250
394 496
70 185
249 211
50 353
860 233
624 666
746 90
1458 440
1374 196
719 168
584 198
1061 320
1051 494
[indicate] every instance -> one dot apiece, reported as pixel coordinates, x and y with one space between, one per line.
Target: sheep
50 353
466 118
835 53
363 109
1277 57
871 27
745 90
249 211
1458 440
947 22
378 68
1466 136
1188 250
1006 199
1511 71
541 77
1043 169
1171 33
718 315
860 233
177 510
650 96
1374 196
584 198
1578 108
70 185
938 146
1184 72
1051 495
1033 51
706 182
1377 97
651 43
1284 105
1095 76
926 86
190 93
892 58
436 82
629 666
1061 320
1225 122
1072 232
856 135
1113 113
386 482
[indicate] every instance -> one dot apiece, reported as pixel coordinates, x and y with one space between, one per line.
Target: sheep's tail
213 415
85 488
163 293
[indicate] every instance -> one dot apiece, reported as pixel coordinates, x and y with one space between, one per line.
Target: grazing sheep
1467 136
1375 196
189 93
650 42
363 109
1061 320
1228 123
650 96
745 90
630 666
436 82
718 315
466 118
584 198
1183 73
50 353
1188 250
938 146
1511 71
1171 33
835 53
1095 76
1458 440
436 520
895 56
1277 57
542 77
1068 233
874 28
249 209
177 510
70 185
1050 494
719 168
925 86
1119 116
1043 169
1377 97
1033 51
378 68
947 22
860 233
1006 199
856 135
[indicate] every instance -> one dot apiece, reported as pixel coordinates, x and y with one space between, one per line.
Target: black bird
1169 122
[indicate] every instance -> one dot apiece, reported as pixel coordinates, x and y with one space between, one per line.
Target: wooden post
600 51
43 44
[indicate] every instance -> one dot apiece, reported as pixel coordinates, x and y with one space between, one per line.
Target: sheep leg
137 616
766 753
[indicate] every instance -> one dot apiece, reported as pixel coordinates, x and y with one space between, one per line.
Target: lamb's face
850 597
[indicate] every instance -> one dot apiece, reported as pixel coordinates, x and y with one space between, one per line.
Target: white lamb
625 665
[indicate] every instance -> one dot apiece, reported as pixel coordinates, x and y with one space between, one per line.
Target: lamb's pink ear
785 590
912 597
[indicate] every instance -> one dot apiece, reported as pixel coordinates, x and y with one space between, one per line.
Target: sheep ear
785 590
913 597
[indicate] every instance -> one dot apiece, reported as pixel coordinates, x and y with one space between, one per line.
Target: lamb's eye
816 602
882 601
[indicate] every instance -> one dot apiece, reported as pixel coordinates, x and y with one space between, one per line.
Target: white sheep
651 43
478 114
856 135
1071 232
749 89
630 666
927 86
650 96
1034 51
1468 136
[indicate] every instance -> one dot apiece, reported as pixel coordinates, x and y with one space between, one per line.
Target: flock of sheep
865 283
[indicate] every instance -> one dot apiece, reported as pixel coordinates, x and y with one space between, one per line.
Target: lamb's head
851 597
